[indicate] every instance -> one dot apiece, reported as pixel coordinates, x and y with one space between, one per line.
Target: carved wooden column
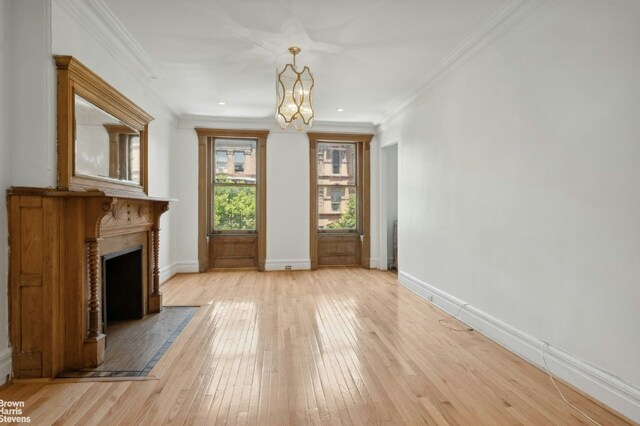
93 263
94 342
155 298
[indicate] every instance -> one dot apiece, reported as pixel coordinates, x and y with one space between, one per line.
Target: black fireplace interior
122 285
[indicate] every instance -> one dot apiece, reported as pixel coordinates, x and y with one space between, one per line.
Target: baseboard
281 264
167 272
5 365
373 263
187 266
385 267
601 385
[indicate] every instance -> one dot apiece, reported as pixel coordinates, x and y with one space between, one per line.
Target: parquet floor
334 346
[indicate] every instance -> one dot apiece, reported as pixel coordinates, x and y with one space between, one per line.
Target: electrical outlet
287 268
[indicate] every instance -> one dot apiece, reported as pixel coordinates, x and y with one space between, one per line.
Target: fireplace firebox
122 286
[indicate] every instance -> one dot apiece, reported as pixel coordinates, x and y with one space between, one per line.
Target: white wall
5 168
33 155
387 209
389 183
100 52
287 190
518 185
73 34
288 201
162 135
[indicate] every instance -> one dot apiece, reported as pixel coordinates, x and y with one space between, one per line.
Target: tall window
336 199
238 161
221 161
234 189
335 161
337 187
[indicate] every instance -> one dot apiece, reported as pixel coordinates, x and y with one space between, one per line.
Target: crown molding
499 28
190 121
101 23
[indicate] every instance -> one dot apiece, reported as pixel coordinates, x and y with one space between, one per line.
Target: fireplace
122 286
78 259
57 237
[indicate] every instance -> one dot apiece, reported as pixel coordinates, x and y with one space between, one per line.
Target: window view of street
234 185
337 186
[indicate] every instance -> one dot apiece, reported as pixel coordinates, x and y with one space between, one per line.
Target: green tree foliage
234 206
348 217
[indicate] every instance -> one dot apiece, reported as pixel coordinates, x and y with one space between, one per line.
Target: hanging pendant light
294 93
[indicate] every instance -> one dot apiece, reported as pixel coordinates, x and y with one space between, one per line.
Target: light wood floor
334 346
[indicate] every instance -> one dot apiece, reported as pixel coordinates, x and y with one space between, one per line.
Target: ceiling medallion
294 93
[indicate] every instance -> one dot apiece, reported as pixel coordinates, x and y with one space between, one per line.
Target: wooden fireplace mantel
56 240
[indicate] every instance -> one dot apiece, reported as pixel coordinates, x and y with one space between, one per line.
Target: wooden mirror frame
76 79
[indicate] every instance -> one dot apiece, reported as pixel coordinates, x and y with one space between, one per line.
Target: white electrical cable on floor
546 367
544 360
441 320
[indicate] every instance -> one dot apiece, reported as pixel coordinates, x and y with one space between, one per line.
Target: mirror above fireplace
102 135
105 147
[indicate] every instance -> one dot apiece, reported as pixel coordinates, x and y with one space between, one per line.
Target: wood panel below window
233 251
339 249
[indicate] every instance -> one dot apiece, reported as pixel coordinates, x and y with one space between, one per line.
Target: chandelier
294 89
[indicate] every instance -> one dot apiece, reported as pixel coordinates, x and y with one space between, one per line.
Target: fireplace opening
122 286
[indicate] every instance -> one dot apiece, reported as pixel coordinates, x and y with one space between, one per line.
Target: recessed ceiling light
339 109
222 103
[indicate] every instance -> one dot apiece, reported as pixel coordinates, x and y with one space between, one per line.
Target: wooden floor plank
333 346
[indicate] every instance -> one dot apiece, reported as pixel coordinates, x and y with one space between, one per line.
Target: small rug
135 347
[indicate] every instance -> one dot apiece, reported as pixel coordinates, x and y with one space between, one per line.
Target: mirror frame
76 79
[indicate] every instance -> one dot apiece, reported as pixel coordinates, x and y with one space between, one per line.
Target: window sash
325 192
238 158
253 185
336 161
253 230
346 167
238 161
336 156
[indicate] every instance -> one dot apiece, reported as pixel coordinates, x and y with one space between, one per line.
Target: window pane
336 163
238 161
221 162
336 199
337 207
234 208
243 154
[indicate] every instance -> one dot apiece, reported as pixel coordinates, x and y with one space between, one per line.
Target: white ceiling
367 56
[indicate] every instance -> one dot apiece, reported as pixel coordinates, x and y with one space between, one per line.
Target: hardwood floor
333 346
